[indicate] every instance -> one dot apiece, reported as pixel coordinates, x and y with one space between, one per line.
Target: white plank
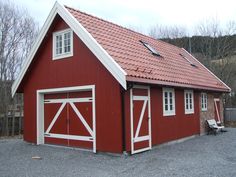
141 138
70 137
68 100
141 98
141 150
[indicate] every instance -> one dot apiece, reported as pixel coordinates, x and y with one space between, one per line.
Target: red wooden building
89 83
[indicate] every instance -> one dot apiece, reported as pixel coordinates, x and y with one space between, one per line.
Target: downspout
130 86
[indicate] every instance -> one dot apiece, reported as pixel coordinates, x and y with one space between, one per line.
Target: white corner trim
118 73
207 69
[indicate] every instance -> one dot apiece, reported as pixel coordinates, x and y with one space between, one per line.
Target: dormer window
150 48
62 44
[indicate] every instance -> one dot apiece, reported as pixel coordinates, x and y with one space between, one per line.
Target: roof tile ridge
130 30
112 23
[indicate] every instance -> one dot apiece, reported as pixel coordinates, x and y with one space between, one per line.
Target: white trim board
109 63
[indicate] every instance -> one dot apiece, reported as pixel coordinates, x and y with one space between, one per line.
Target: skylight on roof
191 63
150 48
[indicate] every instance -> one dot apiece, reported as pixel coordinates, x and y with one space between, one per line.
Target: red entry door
217 110
140 119
69 119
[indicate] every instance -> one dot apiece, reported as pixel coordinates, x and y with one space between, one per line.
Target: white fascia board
207 69
84 35
93 45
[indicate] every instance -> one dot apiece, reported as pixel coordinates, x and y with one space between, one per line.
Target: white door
140 119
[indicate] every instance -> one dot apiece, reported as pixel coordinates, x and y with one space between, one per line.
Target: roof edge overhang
228 88
109 63
174 84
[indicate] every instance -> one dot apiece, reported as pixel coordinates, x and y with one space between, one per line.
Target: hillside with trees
212 45
217 53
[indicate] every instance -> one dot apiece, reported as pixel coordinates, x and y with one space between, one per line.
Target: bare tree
17 33
217 40
171 32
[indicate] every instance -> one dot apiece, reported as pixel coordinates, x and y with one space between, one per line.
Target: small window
62 44
204 101
189 102
168 101
150 48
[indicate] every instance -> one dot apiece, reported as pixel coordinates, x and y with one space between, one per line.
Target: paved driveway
202 156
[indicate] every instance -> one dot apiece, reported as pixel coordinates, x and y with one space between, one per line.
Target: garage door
69 119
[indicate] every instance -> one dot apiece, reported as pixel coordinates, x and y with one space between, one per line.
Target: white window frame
168 112
63 54
188 110
204 101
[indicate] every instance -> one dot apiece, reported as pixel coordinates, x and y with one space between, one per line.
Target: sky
142 14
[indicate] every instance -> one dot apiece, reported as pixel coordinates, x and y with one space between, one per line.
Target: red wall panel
167 128
81 69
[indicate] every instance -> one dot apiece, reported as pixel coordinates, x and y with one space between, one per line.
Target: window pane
171 101
166 101
67 42
186 101
166 94
171 107
58 44
166 107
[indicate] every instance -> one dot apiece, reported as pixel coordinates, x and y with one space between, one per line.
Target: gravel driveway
202 156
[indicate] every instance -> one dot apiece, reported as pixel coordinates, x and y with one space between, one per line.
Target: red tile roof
124 46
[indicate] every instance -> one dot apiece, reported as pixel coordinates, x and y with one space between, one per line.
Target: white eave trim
207 69
118 73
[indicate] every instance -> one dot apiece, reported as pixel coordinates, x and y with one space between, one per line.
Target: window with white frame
168 101
204 101
62 44
189 102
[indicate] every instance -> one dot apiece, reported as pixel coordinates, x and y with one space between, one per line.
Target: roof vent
191 63
150 48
